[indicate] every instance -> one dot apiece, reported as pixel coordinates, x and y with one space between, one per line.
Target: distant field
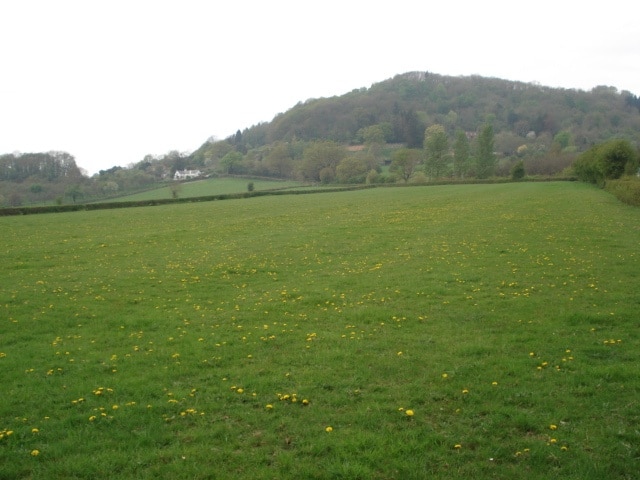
213 186
476 331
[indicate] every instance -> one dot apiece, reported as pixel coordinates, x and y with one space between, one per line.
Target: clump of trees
39 177
607 161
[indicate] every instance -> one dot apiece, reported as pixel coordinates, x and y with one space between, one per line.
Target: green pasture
474 331
206 187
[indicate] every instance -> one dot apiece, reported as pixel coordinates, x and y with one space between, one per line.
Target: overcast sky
112 81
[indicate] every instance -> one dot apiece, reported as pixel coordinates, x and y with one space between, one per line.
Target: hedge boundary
626 190
78 207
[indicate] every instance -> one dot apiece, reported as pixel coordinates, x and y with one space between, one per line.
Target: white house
186 174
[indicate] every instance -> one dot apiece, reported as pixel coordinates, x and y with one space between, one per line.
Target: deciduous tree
405 162
436 145
320 159
486 159
461 153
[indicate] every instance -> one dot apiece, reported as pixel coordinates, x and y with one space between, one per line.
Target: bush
517 171
605 161
626 189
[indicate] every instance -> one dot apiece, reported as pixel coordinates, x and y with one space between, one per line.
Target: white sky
112 81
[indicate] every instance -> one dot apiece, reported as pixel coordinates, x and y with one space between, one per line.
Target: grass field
477 331
212 186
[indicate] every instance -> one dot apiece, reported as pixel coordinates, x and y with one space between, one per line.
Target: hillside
522 114
457 102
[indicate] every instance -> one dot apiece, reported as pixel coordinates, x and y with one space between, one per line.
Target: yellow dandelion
564 448
465 391
553 427
444 375
457 446
34 430
409 413
35 453
305 402
268 406
328 429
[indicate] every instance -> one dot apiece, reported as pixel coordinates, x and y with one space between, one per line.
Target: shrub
626 189
605 161
517 171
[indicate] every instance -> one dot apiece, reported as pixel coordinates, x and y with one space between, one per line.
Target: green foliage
279 161
626 189
405 161
461 154
320 160
49 166
572 117
354 168
517 171
74 192
171 342
606 161
436 146
563 139
250 187
231 162
485 157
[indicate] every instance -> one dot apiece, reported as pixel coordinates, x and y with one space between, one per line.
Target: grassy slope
150 342
214 186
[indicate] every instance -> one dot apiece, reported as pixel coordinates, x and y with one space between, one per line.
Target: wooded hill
528 119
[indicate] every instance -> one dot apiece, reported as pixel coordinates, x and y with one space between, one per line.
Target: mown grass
222 340
205 187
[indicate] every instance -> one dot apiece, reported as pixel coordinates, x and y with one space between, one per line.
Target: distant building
186 174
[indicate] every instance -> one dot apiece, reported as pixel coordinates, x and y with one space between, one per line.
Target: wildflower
465 391
34 430
444 375
328 429
457 446
564 448
92 418
240 390
35 453
268 406
409 413
553 427
494 383
305 402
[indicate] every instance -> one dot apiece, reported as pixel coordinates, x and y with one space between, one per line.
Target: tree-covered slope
411 102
